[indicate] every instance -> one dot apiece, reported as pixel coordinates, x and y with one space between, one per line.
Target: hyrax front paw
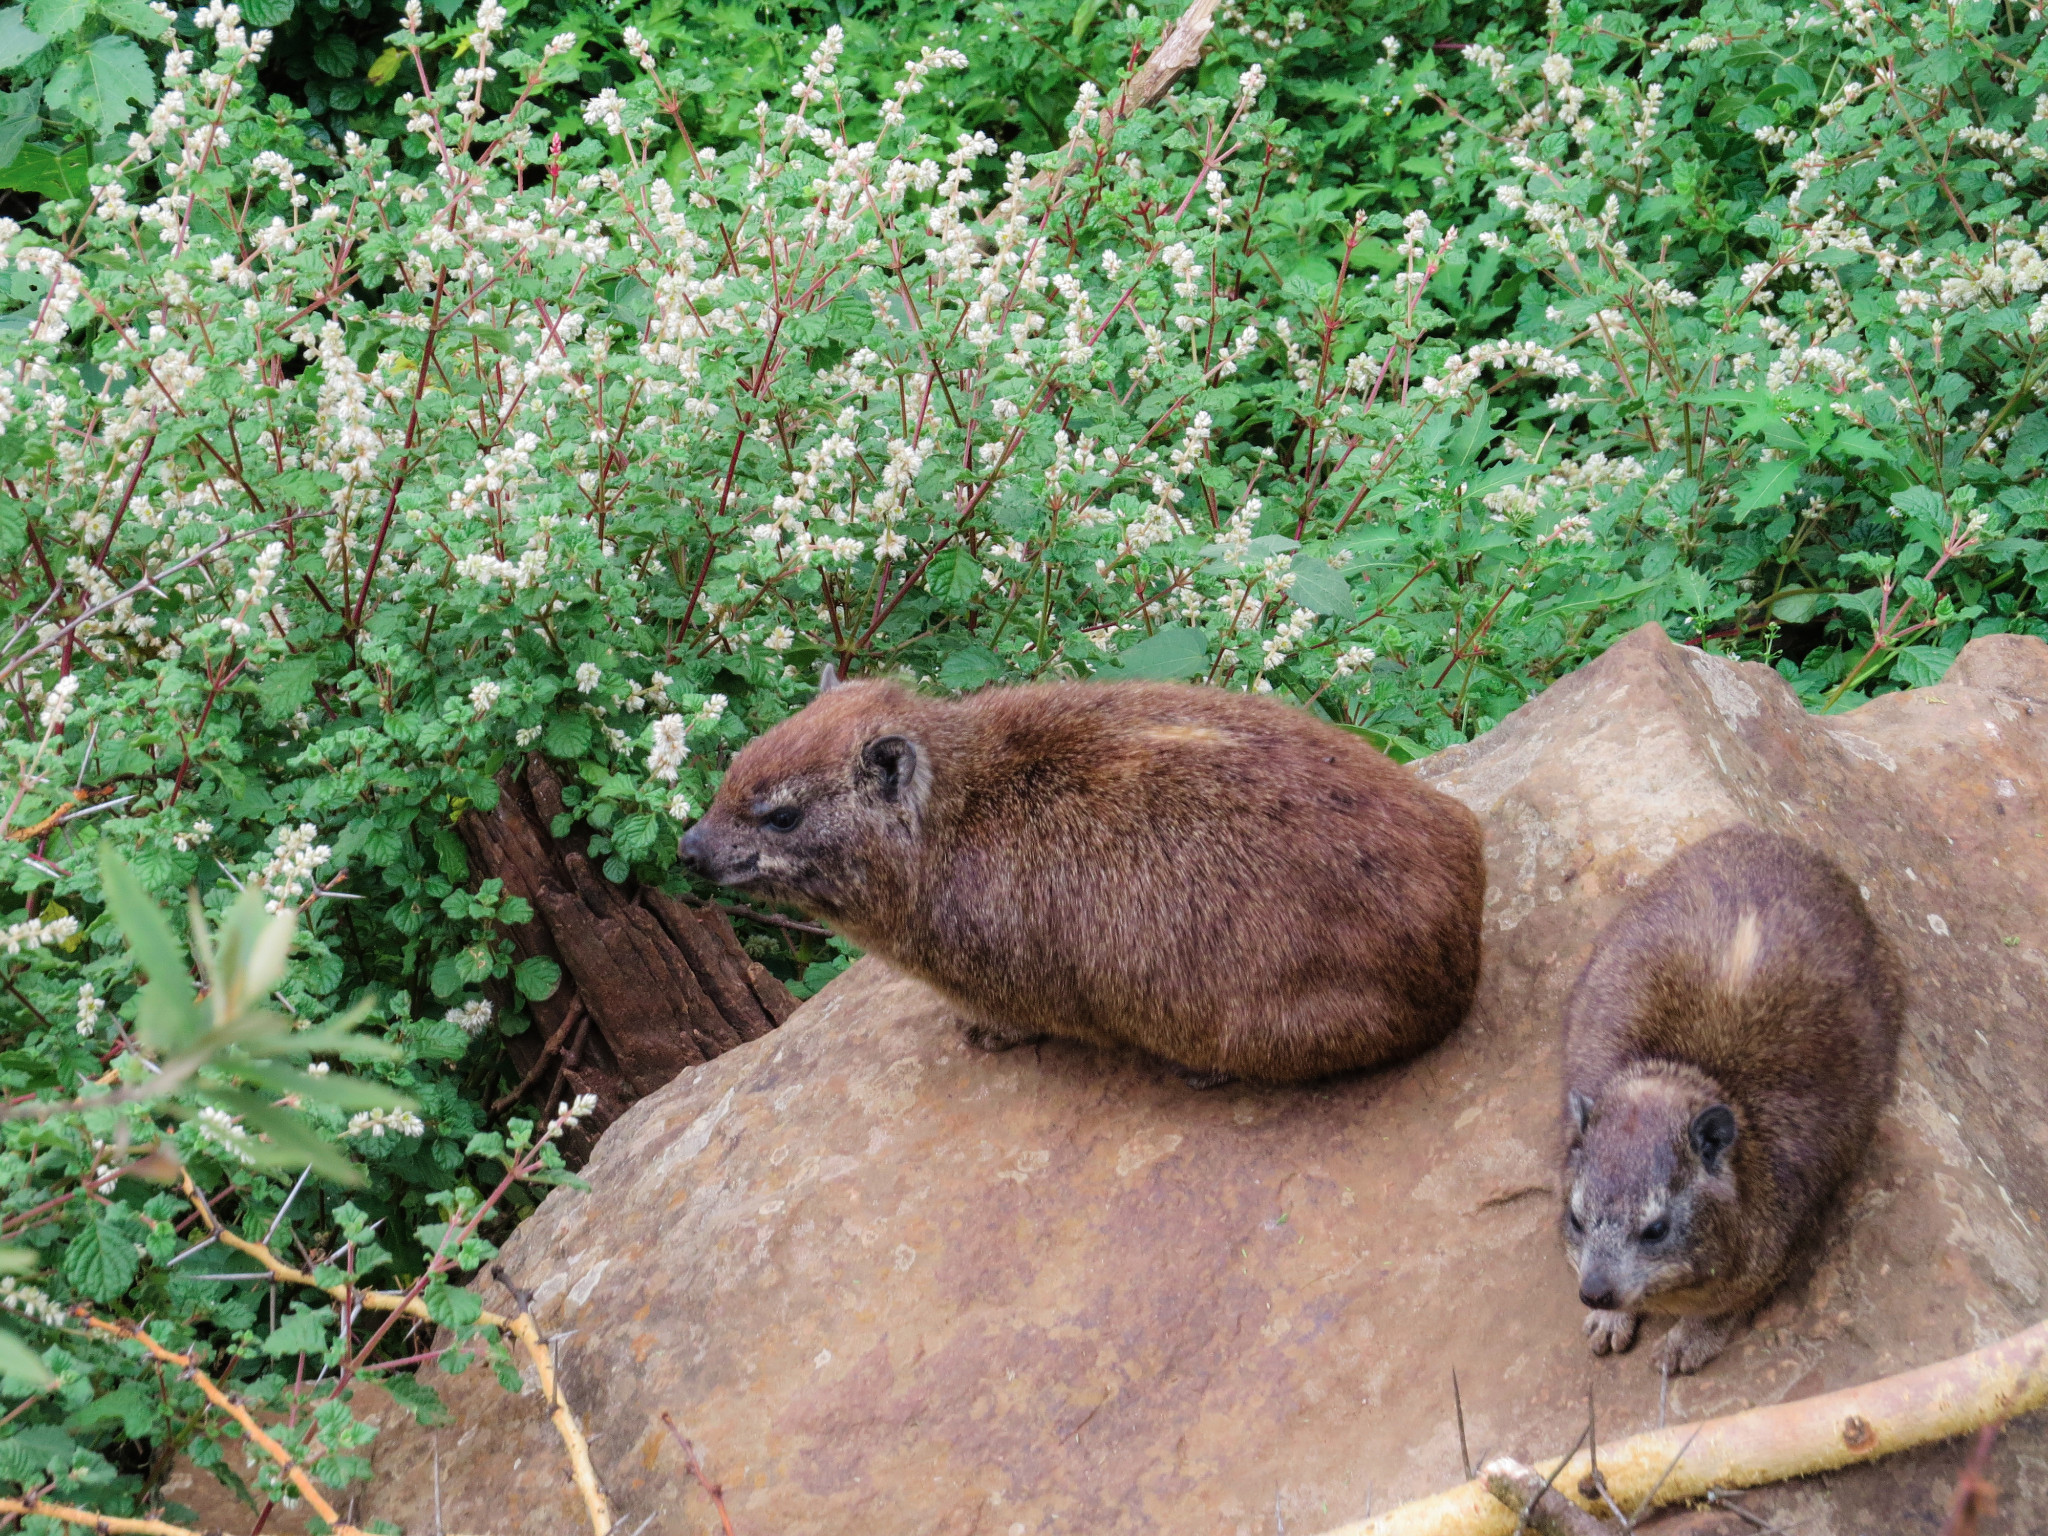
1695 1341
994 1037
1611 1333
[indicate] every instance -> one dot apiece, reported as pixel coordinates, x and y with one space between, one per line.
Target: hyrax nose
1597 1294
692 849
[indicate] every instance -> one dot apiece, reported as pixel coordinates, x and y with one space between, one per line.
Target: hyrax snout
1728 1049
1214 877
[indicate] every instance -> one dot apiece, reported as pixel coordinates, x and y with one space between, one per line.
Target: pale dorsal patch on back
1738 960
1187 735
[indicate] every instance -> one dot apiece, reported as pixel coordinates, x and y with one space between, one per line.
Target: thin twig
716 1492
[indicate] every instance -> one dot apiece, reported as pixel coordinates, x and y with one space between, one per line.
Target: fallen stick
1524 1493
1766 1445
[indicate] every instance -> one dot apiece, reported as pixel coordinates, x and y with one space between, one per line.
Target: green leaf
411 1393
56 18
537 977
970 667
451 854
18 1360
18 41
286 685
1320 589
1170 655
1796 609
134 16
98 84
50 172
267 13
1921 501
100 1261
451 1307
1695 592
954 575
566 736
304 1332
131 1405
1922 666
1766 486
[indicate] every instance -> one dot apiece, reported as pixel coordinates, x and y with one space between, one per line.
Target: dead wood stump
651 984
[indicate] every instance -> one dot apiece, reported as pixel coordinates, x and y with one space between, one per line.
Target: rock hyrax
1727 1050
1217 878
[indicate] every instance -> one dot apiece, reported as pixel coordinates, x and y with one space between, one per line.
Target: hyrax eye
784 817
1573 1217
1656 1231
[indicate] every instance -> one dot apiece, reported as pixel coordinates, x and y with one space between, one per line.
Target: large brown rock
891 1285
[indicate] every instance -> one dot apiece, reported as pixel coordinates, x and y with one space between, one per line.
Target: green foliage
77 71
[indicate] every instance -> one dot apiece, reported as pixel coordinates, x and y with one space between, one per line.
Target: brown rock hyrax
1727 1050
1214 877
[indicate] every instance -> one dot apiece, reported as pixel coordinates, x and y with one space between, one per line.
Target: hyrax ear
897 770
828 679
1713 1133
1581 1109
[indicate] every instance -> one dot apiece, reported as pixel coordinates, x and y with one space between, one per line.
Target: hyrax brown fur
1217 878
1727 1050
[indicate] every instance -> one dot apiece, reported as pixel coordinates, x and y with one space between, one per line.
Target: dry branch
520 1326
1525 1494
115 1525
1178 52
232 1407
1768 1445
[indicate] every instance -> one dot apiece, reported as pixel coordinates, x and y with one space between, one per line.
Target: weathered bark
660 985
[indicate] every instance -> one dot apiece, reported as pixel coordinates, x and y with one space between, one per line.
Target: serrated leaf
55 18
100 1261
970 667
134 16
1921 501
1169 656
385 68
566 736
100 85
51 172
416 1396
1766 486
1695 592
286 685
18 40
451 1307
1320 589
1796 609
268 13
537 978
303 1332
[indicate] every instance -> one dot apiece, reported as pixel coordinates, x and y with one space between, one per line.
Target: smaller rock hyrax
1727 1050
1214 877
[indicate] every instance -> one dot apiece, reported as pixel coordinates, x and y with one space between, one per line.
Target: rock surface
891 1285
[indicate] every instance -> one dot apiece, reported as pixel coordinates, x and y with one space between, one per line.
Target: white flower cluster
34 933
377 1123
471 1017
31 1302
90 1006
293 862
226 1134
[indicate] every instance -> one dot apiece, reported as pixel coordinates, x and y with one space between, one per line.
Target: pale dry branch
1768 1445
114 1525
521 1326
232 1407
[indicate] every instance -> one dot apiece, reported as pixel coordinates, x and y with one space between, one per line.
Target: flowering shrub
339 481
